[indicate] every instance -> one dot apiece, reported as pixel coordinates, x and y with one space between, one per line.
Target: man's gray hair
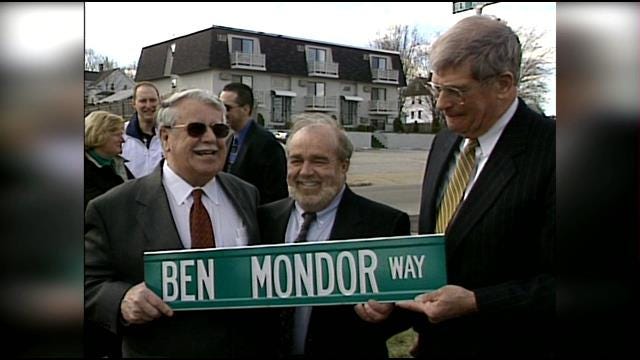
490 46
303 120
167 115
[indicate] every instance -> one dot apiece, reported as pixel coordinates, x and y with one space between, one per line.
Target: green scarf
101 160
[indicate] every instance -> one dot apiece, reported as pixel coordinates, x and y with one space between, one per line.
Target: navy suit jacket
337 331
499 245
262 163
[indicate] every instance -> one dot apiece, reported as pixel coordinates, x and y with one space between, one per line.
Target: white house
99 85
417 105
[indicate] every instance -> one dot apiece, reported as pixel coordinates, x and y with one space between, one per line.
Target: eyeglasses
197 129
455 93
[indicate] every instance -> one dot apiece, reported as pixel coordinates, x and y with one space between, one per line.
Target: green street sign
316 273
464 6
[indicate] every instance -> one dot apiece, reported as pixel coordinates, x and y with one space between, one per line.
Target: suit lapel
248 217
348 220
154 214
438 164
496 175
281 220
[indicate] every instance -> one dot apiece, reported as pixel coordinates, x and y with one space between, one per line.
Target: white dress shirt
228 228
486 143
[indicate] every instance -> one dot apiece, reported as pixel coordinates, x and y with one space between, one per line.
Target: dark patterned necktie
200 223
309 217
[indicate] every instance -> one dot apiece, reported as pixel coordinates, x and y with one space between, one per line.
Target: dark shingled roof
91 75
202 50
417 87
152 60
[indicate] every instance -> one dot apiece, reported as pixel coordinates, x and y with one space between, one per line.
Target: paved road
392 177
403 197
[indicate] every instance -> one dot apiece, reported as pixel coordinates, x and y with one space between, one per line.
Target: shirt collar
488 140
181 190
324 214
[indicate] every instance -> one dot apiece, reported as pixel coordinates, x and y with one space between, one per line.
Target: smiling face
195 159
315 173
113 143
145 103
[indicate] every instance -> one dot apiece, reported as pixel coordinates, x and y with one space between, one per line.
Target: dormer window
320 62
245 53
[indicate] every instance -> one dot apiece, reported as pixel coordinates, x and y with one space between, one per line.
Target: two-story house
417 102
288 75
99 85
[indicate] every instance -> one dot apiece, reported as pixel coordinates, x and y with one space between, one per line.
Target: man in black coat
323 208
255 155
489 186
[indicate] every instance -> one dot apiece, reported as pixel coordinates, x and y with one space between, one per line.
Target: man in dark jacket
323 208
255 155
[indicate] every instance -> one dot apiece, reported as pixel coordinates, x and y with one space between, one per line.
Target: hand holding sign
141 305
446 303
373 311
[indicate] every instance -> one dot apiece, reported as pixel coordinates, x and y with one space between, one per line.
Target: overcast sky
121 30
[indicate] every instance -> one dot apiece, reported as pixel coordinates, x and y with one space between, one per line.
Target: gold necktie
457 185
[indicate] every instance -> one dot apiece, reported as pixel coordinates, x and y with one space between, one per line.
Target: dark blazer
262 163
135 217
98 180
500 244
337 331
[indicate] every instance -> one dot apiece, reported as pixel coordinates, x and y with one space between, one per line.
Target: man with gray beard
323 208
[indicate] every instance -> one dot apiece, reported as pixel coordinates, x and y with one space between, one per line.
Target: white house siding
211 80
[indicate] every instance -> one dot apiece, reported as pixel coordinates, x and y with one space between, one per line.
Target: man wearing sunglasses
255 155
186 203
489 186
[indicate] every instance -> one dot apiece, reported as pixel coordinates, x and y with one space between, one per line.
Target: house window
280 109
244 79
378 94
413 100
420 101
315 89
419 114
378 62
316 54
412 114
348 112
242 45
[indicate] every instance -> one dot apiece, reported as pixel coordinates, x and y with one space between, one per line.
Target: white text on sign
306 272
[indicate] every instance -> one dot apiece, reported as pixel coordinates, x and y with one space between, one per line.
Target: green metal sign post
320 273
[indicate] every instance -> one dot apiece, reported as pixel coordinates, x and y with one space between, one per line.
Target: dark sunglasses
197 129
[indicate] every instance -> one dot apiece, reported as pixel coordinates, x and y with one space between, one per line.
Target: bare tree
536 66
93 60
412 48
409 43
130 70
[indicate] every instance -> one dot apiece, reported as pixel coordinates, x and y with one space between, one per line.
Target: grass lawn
400 344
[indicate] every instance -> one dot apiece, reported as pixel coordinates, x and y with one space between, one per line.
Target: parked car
281 135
